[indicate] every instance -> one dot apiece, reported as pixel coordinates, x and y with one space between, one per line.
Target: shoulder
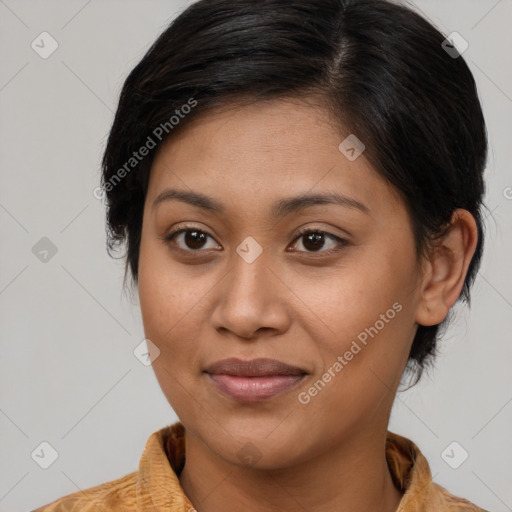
411 473
441 499
108 496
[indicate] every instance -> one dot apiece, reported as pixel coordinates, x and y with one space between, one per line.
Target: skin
293 303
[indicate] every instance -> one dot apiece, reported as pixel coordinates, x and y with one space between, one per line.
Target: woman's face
340 305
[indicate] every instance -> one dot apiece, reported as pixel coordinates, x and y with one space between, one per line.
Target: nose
251 298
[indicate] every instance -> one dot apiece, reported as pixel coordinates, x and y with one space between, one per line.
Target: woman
299 185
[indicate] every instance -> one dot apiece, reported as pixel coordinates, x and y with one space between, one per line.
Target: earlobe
447 268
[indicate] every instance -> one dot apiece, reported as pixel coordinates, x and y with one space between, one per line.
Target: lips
254 368
254 380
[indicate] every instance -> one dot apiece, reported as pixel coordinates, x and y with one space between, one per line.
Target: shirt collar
158 487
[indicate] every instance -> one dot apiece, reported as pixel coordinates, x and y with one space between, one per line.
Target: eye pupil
195 239
316 240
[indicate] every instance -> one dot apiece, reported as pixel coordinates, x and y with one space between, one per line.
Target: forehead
273 148
276 126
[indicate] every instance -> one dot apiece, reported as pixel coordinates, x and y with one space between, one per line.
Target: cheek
345 301
167 303
164 301
363 312
165 290
174 306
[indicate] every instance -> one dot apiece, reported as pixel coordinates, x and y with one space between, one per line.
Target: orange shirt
155 487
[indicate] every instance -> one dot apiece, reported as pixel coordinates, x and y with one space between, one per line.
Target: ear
446 269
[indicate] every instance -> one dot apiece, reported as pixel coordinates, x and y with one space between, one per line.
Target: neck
352 476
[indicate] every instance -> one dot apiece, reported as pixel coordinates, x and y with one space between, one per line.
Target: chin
258 448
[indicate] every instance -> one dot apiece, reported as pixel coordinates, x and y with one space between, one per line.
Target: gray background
68 374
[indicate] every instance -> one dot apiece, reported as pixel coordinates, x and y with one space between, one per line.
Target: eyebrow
280 208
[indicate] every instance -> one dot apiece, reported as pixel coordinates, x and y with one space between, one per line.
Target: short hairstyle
380 69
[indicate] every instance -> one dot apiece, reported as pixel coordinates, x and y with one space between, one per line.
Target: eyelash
301 233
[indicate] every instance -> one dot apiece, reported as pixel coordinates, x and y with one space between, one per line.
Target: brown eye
194 239
314 240
189 239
